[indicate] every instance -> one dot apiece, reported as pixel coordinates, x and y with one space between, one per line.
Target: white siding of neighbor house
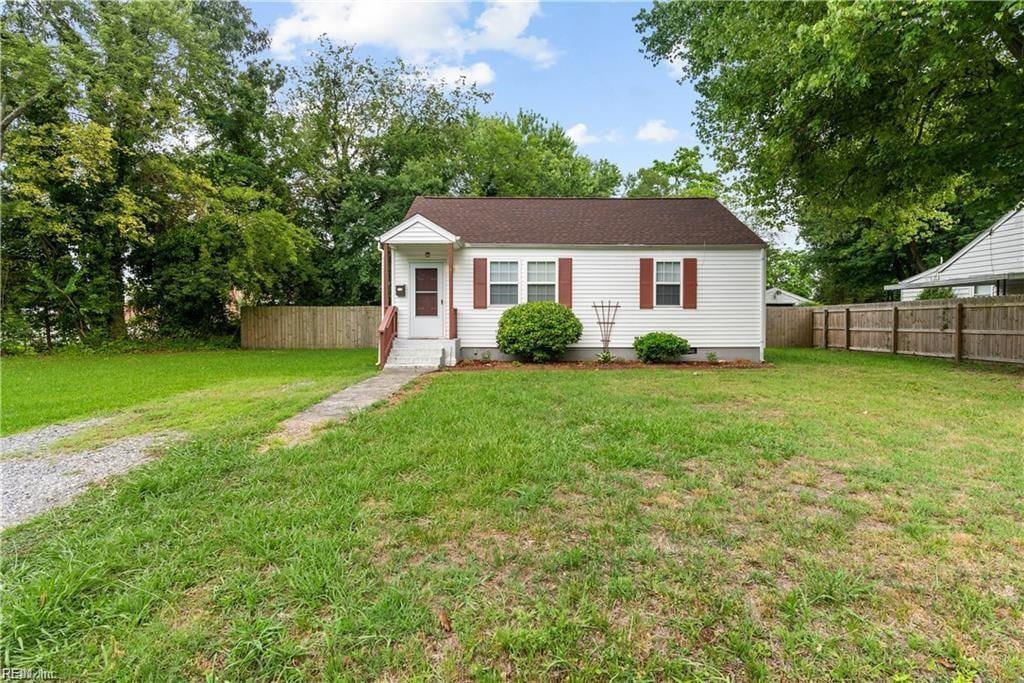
958 292
730 292
999 250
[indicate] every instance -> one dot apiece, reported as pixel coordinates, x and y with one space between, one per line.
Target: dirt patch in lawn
411 389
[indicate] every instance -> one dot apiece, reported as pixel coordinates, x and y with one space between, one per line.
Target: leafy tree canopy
683 176
890 132
791 270
530 157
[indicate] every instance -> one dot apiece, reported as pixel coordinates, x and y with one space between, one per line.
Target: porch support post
453 328
385 284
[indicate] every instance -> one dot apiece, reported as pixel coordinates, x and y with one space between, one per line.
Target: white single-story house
774 296
992 264
455 264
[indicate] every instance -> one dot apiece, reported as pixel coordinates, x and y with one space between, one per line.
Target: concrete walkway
339 406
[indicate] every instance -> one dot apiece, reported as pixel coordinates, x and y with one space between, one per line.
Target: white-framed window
540 281
667 281
504 283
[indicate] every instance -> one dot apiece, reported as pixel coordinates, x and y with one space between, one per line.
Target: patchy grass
181 390
839 516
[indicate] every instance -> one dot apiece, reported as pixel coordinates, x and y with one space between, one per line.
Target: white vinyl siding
999 250
419 233
540 281
729 281
504 283
401 258
958 293
667 283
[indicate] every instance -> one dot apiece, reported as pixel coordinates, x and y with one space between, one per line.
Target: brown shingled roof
527 220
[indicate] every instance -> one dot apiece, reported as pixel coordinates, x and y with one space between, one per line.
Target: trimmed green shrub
935 293
660 347
540 330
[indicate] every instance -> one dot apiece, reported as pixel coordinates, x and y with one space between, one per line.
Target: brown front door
426 303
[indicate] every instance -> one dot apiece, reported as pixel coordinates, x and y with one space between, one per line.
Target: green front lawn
42 390
840 515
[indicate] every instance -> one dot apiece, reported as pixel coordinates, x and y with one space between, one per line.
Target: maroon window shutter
646 283
565 281
689 283
479 283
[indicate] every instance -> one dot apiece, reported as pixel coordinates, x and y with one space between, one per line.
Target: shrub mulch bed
474 365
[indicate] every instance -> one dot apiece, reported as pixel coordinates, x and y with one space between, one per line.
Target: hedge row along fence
986 328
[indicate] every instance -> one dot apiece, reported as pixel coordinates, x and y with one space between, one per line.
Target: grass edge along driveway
181 386
838 516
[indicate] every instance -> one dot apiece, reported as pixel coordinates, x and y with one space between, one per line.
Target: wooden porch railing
386 334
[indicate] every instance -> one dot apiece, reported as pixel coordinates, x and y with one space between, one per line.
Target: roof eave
985 279
582 245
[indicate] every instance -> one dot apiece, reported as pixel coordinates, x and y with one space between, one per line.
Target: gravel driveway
34 479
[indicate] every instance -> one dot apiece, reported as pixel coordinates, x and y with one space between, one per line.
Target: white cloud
580 136
480 73
418 31
655 130
676 67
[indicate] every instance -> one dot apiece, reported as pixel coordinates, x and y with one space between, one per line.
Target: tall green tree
791 270
683 176
368 137
96 99
528 156
887 131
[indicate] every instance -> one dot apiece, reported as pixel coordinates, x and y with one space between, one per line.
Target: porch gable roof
418 229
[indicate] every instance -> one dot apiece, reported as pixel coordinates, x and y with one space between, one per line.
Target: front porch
419 321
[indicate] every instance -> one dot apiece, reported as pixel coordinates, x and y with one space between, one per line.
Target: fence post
846 319
895 327
824 328
958 332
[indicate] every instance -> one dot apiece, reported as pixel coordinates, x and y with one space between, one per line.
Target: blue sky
579 64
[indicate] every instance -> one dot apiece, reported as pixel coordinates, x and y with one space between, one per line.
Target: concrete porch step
422 353
416 357
417 360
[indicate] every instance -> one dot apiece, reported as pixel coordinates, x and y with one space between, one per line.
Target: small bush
660 347
540 330
935 293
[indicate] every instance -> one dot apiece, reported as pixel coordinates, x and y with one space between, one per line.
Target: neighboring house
774 296
991 264
686 266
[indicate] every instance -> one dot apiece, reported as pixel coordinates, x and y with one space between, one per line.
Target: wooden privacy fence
788 326
987 328
309 327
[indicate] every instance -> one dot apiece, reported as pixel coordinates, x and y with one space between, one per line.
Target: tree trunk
116 327
915 254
